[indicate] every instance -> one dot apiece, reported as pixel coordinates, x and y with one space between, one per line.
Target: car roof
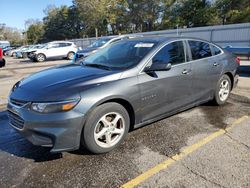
160 38
62 41
119 36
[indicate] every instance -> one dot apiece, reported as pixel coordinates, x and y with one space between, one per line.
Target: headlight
53 107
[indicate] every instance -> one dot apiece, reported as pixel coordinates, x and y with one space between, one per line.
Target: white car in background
54 50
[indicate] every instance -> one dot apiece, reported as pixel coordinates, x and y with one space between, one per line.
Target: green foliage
35 33
85 17
233 11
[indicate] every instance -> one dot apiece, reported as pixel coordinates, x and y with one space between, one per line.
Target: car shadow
13 143
23 61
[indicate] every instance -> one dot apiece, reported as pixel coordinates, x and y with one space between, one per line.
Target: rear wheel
105 128
70 55
223 89
40 57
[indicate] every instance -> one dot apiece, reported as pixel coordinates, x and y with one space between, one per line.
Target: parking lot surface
206 146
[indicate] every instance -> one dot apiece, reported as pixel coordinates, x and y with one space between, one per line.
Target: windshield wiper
100 66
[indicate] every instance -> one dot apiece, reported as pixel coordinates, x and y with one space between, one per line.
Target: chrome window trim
191 61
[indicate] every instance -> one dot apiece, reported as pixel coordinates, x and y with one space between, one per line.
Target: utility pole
177 29
96 32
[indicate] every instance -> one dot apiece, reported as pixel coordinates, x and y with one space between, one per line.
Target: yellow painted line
163 165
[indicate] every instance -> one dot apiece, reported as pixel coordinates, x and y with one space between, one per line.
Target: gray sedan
124 86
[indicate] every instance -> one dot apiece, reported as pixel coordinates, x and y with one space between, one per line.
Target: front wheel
105 128
40 57
223 90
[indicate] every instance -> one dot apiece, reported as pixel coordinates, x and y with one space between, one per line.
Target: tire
221 95
71 55
40 57
2 63
25 55
98 129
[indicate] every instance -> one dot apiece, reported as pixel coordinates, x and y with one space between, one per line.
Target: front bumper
61 131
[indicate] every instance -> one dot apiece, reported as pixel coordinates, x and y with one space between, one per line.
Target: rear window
199 49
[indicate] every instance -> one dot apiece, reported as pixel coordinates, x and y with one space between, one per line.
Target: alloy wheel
224 90
109 130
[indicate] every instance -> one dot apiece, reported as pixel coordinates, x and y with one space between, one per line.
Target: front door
166 91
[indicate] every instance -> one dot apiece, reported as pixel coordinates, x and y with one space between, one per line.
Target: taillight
237 59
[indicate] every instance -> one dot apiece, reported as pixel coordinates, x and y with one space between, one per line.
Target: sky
14 13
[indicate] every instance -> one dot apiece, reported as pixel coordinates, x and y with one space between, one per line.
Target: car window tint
199 49
172 53
62 45
54 45
216 50
67 44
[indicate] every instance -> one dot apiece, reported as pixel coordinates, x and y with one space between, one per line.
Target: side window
199 49
67 44
172 53
54 45
216 50
61 45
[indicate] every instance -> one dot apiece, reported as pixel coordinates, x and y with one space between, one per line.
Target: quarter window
216 50
172 53
199 49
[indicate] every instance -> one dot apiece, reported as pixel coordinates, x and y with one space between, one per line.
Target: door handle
215 64
185 71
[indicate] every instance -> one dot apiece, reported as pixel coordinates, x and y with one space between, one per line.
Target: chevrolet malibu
124 86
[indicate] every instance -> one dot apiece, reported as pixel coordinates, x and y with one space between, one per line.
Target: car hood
61 83
32 50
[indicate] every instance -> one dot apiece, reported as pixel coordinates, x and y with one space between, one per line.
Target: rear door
64 48
206 69
166 91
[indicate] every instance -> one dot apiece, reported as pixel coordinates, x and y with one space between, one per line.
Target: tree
192 13
13 35
62 23
146 15
35 33
94 15
233 11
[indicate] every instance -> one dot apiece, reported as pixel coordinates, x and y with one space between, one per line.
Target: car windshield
119 56
100 42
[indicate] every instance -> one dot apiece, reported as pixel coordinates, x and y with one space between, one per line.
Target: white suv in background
54 50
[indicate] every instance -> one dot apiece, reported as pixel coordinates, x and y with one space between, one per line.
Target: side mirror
158 67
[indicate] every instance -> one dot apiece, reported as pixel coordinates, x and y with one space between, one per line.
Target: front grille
18 102
15 120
